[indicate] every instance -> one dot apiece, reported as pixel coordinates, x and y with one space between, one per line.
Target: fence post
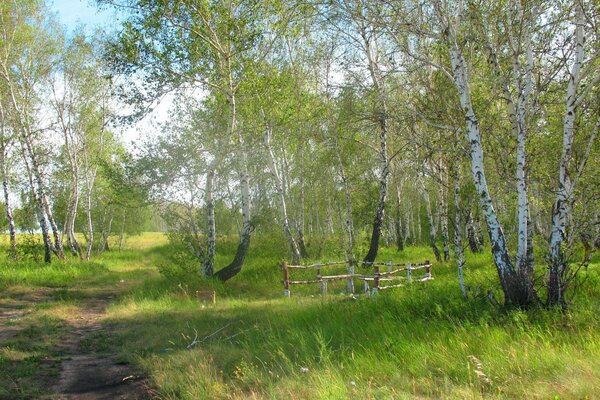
389 266
408 273
286 280
367 289
324 287
351 279
428 269
375 281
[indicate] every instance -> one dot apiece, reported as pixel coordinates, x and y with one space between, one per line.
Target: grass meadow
419 341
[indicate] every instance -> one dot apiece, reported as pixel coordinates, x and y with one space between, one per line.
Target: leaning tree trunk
518 289
208 264
236 265
106 234
43 199
238 261
48 247
372 52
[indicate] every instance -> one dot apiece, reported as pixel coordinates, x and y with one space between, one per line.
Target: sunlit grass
419 341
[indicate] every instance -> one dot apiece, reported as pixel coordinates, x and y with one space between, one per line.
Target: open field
419 341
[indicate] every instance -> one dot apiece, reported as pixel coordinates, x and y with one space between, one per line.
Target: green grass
419 341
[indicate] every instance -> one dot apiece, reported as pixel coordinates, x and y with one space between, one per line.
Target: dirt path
86 374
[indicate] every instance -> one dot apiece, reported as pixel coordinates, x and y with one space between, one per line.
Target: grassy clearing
421 341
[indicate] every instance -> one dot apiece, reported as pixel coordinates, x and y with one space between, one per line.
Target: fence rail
378 276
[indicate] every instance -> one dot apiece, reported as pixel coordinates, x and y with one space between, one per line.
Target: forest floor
129 326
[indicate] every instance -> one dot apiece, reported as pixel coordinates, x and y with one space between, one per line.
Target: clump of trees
60 159
402 122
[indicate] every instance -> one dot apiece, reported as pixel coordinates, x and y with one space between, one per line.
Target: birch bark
518 290
564 194
238 261
432 225
208 264
371 47
4 147
281 196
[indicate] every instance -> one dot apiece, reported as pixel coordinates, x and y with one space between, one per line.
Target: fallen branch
196 342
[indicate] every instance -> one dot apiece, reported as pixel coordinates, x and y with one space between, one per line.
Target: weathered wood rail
391 274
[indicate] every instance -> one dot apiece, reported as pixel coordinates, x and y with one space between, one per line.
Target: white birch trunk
208 264
443 213
432 225
459 253
400 238
7 204
564 194
41 193
236 265
348 201
281 197
517 291
48 247
372 53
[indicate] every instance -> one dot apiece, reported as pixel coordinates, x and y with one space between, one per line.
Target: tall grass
419 341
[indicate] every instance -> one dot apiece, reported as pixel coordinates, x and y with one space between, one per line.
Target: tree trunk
432 226
208 264
372 52
348 201
236 265
472 236
106 234
419 226
399 230
48 247
71 216
277 175
408 233
12 251
443 213
43 199
559 265
459 253
90 225
518 289
122 231
302 218
238 261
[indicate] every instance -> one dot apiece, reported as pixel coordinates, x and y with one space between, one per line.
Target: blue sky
73 13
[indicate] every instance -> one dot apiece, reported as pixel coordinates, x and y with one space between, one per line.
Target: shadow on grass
419 340
29 360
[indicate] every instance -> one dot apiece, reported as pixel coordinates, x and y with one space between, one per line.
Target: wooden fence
390 274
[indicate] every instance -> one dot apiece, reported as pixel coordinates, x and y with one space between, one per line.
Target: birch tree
583 78
518 288
202 44
6 142
27 49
